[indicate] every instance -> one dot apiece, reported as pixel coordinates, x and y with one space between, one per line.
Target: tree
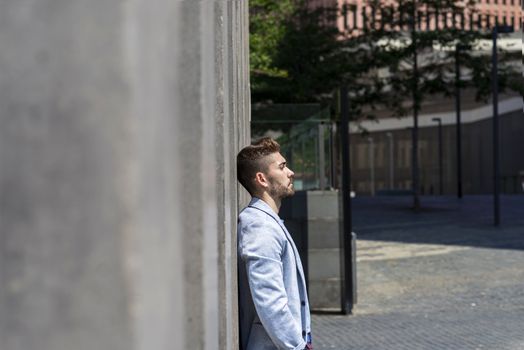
298 53
294 56
422 41
266 26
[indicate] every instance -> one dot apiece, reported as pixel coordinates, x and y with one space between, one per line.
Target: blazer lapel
295 250
261 205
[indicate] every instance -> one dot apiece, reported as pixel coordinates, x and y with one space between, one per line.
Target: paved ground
444 278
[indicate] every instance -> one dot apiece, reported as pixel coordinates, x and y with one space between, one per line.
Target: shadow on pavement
443 220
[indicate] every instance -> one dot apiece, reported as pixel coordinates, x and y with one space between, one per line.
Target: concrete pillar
120 122
313 219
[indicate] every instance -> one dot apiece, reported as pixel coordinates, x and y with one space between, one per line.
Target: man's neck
274 203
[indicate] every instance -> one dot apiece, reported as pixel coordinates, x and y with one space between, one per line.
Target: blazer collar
260 204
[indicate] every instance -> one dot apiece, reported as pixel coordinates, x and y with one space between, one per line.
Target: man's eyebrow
284 162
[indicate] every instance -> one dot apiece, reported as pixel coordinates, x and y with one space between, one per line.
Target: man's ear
261 180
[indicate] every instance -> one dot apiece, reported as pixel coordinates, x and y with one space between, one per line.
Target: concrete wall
120 122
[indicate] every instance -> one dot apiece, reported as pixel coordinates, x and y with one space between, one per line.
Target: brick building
355 14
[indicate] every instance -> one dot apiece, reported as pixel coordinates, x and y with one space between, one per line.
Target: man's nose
291 173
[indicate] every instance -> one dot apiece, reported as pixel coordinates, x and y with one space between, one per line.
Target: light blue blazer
273 303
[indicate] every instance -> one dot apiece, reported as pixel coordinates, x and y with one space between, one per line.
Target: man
273 303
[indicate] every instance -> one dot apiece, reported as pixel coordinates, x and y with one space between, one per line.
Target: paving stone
420 295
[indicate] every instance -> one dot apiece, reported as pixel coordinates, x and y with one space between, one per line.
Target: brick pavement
444 278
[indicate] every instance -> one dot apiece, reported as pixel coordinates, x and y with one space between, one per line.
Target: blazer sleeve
261 251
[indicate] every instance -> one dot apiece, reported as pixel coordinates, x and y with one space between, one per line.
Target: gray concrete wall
120 122
313 219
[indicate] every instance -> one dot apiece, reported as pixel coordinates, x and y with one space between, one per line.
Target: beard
279 190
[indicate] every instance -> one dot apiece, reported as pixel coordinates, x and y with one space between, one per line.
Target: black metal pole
415 174
348 294
440 167
440 153
459 124
496 165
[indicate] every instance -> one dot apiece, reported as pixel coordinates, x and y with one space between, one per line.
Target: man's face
280 177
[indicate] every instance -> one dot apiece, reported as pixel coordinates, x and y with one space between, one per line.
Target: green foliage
294 58
509 74
311 55
266 26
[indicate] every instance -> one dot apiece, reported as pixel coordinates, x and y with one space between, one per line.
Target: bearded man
273 302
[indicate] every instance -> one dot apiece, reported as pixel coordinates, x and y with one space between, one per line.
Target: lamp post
458 48
496 159
416 107
441 183
348 256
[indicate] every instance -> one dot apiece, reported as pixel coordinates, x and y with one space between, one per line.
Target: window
345 15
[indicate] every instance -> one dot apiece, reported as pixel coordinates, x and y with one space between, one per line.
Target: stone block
324 263
324 233
322 204
324 295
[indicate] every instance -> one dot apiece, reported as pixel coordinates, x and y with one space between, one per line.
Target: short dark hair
250 160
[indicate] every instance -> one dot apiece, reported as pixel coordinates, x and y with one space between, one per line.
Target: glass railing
307 146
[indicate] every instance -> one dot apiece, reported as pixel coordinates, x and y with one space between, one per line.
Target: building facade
353 15
381 159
